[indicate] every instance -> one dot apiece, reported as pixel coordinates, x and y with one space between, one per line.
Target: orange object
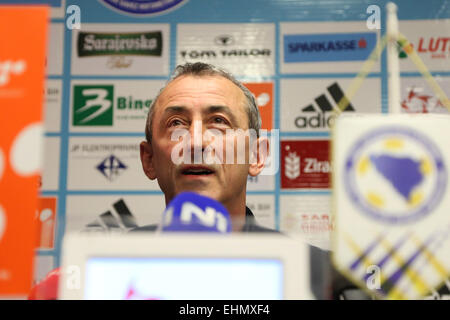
23 34
46 221
263 92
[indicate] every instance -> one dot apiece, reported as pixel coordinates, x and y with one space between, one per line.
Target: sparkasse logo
328 47
316 115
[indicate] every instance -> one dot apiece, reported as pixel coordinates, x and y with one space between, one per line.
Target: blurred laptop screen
183 278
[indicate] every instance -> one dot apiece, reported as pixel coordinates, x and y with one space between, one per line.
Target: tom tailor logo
224 40
320 120
112 44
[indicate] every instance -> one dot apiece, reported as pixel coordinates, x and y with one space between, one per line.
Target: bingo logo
143 7
395 174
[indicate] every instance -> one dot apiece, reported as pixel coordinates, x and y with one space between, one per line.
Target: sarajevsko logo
305 164
317 115
8 68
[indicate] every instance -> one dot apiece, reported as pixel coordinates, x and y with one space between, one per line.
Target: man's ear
147 159
258 157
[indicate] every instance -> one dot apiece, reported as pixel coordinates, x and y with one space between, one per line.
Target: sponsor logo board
325 47
106 163
46 216
55 56
263 207
430 39
113 213
49 180
417 96
105 49
308 105
263 92
242 49
305 164
53 105
321 47
261 183
307 217
114 106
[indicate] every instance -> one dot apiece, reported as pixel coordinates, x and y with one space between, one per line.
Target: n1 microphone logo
190 212
120 221
321 107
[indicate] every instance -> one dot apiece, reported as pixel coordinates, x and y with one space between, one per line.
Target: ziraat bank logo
118 46
111 167
305 164
320 113
433 47
99 105
10 68
328 47
226 46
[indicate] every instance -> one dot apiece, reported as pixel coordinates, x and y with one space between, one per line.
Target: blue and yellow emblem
395 174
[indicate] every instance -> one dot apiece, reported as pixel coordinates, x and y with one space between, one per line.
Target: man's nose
197 141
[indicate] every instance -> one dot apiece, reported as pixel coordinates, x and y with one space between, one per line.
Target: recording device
191 212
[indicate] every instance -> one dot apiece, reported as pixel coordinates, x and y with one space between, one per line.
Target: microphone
191 212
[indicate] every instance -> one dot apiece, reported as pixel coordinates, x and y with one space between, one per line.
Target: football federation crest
395 174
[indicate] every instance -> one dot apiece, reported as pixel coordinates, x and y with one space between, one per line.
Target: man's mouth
197 171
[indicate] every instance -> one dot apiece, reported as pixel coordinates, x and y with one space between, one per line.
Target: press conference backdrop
297 57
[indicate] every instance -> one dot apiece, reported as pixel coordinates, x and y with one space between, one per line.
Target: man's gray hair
200 69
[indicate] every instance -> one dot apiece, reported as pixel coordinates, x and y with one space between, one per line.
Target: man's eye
175 122
219 120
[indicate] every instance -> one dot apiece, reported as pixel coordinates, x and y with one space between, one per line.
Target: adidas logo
121 221
321 107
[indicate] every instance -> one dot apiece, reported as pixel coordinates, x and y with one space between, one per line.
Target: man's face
198 105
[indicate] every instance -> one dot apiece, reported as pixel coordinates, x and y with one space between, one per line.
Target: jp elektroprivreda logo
395 174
